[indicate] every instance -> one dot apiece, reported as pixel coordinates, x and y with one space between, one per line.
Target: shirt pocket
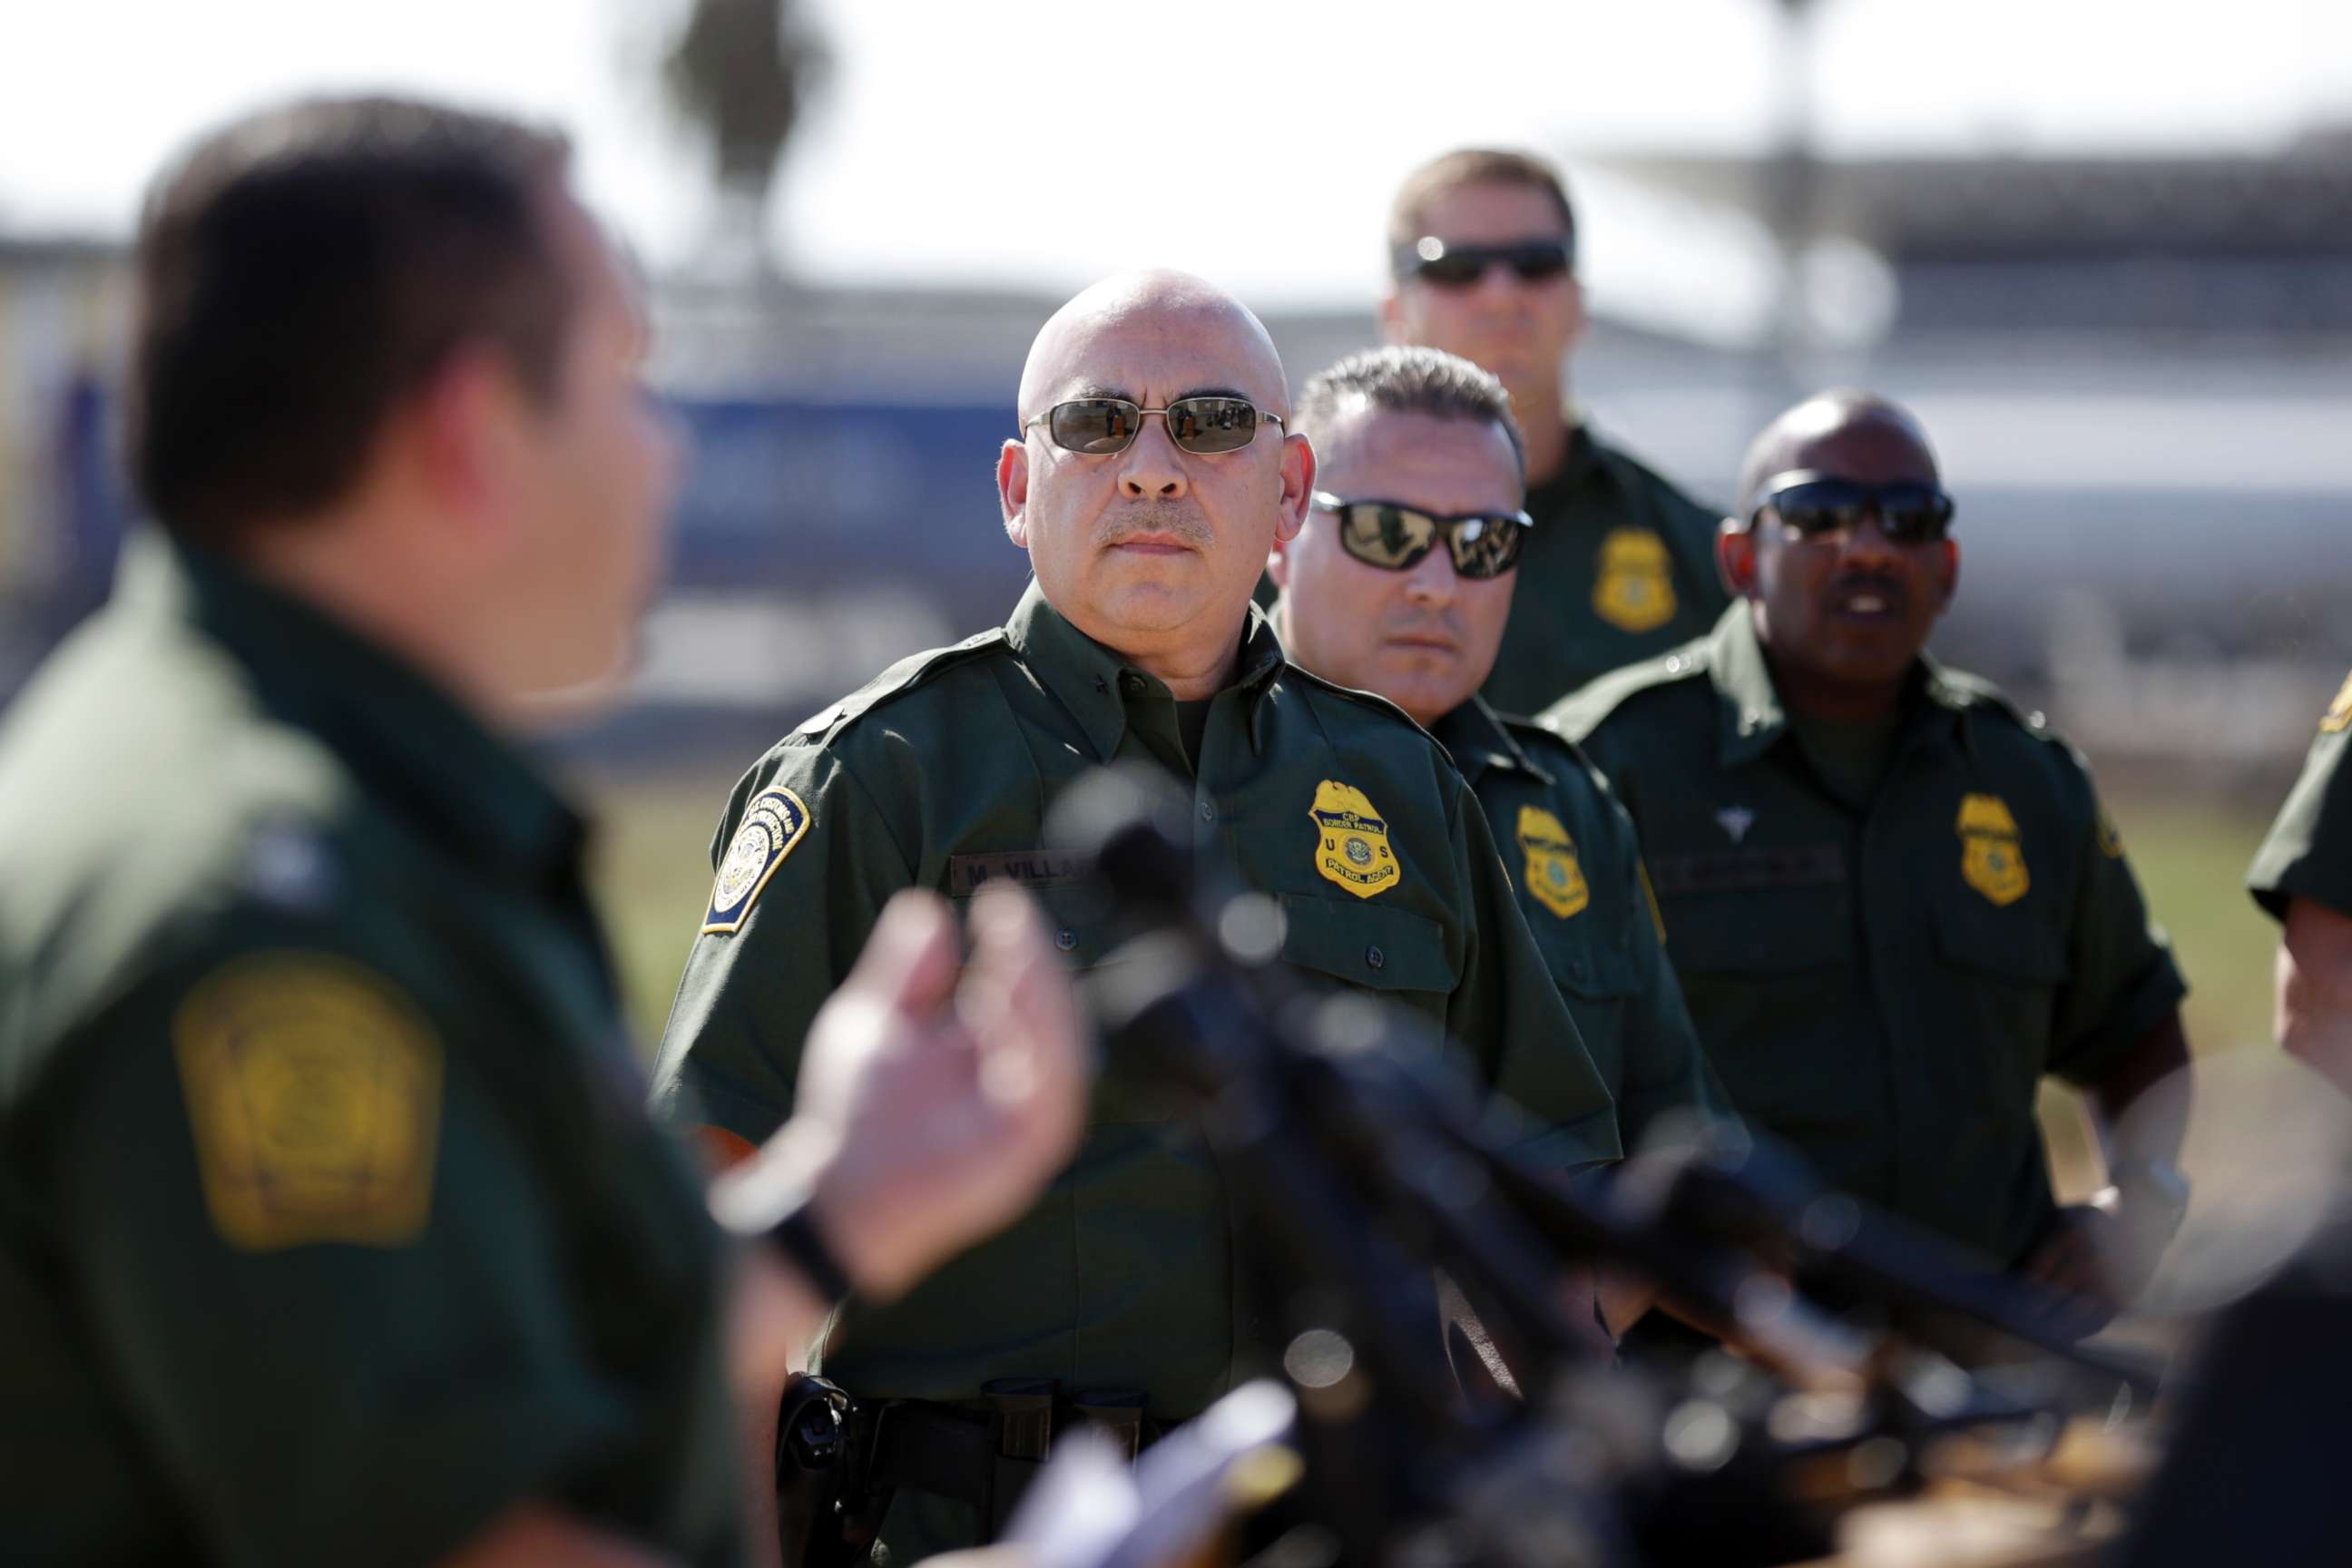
1395 953
2005 968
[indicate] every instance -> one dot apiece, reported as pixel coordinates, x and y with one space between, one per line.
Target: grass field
2191 850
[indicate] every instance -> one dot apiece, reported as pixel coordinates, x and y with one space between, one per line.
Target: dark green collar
1096 684
407 742
1475 737
1750 718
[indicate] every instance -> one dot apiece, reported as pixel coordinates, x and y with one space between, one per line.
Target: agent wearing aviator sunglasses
1893 898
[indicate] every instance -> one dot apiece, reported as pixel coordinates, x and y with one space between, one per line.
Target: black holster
820 1477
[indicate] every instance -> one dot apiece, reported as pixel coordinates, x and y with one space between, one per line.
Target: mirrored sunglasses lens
1211 424
1455 270
1386 536
1095 425
1914 515
1815 510
1485 546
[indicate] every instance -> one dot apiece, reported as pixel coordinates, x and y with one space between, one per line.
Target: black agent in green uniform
2302 877
1894 903
1138 642
1482 250
331 1225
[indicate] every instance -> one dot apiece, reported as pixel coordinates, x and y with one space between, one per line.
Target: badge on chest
1351 841
1992 860
1553 878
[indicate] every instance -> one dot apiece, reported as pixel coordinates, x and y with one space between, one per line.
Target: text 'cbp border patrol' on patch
775 822
1354 850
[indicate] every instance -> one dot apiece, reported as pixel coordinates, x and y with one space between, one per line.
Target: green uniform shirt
1619 566
1576 865
330 1221
939 774
2306 855
1884 987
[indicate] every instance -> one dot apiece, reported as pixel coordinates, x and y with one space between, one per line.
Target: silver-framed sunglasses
1101 426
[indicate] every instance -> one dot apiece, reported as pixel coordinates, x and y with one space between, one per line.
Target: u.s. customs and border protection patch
1351 841
1992 861
314 1095
1634 591
2339 712
773 824
1553 876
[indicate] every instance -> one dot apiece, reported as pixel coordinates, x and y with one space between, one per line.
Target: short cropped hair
1408 380
1409 212
303 271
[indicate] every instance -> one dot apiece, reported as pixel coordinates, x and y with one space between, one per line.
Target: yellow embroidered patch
1634 591
1351 848
773 824
2111 837
1992 860
314 1095
2339 712
1554 878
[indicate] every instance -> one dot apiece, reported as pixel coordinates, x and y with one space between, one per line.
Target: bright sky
961 140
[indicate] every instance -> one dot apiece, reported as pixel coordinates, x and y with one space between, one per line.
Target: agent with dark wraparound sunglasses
1369 600
1893 900
1482 255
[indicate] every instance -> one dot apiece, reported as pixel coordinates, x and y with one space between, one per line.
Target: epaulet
1543 741
1979 693
1371 699
1582 711
1616 455
904 676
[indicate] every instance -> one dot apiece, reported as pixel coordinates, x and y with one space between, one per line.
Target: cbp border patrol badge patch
1992 860
1351 841
1553 876
314 1097
1634 591
773 824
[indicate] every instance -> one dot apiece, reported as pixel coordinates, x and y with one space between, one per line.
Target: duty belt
985 1455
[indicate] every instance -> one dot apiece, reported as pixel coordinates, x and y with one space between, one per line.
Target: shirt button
1375 958
1066 939
1208 811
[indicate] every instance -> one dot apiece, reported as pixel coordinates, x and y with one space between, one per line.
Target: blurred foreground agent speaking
1895 903
1399 585
1482 253
2303 877
1150 476
332 1224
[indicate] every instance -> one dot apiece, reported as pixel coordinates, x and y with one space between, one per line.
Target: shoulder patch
1351 841
775 820
2339 712
314 1095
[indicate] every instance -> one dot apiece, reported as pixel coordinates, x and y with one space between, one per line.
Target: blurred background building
2107 256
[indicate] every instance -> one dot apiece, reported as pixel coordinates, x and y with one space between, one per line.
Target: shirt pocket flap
1364 944
2019 943
1735 935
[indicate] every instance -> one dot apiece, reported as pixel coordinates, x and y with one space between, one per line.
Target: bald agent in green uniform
2302 877
331 1226
1621 565
1399 585
1153 470
1894 901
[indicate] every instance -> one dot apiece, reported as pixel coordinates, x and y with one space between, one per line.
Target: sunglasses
1394 538
1817 508
1099 427
1450 266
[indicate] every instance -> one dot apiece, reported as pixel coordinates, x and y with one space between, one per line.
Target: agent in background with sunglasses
1400 583
1482 250
1894 901
1150 474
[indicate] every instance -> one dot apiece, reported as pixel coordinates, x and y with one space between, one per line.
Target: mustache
1177 521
